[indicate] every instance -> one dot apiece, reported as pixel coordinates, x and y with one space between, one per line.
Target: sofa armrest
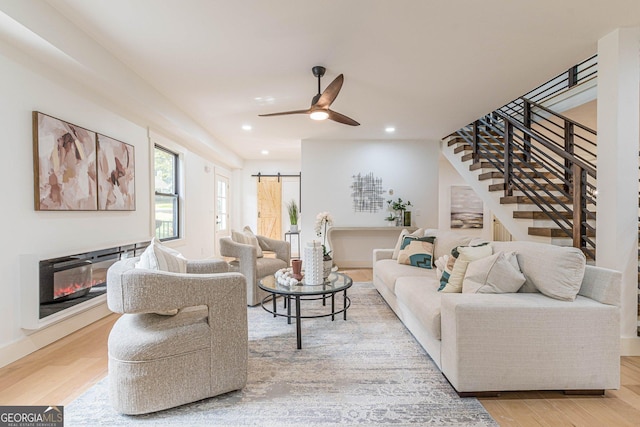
207 266
232 249
602 285
281 248
500 342
379 254
139 290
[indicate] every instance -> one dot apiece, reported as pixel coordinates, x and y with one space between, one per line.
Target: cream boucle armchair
251 265
157 361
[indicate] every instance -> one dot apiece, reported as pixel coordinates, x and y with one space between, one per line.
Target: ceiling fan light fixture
319 115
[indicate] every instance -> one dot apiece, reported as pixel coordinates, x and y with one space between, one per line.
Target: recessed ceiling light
246 127
389 129
264 152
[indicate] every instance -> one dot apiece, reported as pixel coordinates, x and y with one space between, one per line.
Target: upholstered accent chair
160 361
249 261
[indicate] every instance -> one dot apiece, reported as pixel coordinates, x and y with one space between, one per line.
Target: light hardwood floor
60 372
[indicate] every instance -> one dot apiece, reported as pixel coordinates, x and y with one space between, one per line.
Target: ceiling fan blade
330 93
285 113
341 118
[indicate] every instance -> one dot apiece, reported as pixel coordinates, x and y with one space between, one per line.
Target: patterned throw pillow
451 261
417 251
396 251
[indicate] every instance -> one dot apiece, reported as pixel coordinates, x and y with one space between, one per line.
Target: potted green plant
292 209
404 216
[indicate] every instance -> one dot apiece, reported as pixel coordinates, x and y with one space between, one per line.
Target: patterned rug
368 370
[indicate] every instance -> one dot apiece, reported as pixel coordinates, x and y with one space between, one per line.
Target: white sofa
487 343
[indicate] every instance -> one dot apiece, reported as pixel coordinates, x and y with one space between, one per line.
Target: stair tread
527 200
541 215
553 232
489 165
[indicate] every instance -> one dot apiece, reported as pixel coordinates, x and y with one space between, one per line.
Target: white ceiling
426 67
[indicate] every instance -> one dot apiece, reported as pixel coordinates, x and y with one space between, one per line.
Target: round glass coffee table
336 282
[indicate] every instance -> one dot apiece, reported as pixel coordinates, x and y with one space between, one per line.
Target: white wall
46 234
410 168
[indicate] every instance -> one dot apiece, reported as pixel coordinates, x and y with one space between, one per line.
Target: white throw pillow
418 233
162 258
466 255
246 237
441 264
495 274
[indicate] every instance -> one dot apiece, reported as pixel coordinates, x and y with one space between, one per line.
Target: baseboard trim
630 346
45 336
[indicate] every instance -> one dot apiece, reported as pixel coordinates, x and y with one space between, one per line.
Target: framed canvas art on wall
64 165
116 175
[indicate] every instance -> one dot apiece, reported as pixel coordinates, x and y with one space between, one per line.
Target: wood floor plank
60 372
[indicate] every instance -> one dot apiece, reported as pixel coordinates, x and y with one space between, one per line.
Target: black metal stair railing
579 74
531 163
543 155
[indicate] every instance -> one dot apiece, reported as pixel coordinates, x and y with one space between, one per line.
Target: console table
352 247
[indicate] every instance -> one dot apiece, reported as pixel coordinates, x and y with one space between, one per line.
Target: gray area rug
368 370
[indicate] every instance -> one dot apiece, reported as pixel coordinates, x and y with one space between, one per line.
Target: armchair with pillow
247 249
183 333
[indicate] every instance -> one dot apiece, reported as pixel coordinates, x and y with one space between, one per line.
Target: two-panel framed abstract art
76 169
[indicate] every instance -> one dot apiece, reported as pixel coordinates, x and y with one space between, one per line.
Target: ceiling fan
321 102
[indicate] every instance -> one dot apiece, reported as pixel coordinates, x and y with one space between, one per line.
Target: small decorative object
407 218
323 220
391 220
296 265
292 209
400 208
327 265
284 277
313 264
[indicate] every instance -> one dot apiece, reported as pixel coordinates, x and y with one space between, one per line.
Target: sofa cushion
417 251
447 240
421 297
396 251
555 271
389 271
462 256
495 274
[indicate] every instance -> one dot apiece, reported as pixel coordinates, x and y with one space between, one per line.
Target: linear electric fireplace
70 280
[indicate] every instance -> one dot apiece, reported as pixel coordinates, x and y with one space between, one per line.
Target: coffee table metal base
298 315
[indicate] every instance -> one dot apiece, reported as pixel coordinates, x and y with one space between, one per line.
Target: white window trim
157 139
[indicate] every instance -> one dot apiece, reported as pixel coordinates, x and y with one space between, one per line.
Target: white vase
313 268
327 266
293 228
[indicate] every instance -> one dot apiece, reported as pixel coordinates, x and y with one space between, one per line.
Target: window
166 194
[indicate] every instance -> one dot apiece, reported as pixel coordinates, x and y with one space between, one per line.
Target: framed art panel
64 158
466 208
116 175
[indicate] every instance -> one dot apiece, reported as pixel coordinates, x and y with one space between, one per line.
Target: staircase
535 167
533 161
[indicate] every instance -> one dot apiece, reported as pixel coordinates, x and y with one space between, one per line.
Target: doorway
221 228
270 207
